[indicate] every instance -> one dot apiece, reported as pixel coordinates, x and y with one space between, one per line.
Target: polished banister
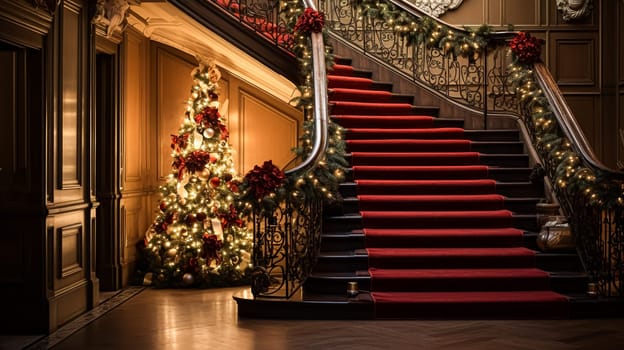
566 119
320 112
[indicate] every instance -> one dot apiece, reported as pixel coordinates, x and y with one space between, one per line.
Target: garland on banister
570 174
469 44
266 186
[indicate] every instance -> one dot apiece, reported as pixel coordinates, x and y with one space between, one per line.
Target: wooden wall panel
135 218
138 129
586 108
498 13
478 10
135 127
23 264
269 134
575 60
70 137
521 12
66 265
174 90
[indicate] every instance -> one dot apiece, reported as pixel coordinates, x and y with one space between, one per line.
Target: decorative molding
436 8
112 14
48 5
574 9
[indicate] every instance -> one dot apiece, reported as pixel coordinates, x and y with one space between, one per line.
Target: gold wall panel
134 219
268 133
135 127
69 125
174 90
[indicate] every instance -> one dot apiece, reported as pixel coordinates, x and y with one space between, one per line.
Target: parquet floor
207 319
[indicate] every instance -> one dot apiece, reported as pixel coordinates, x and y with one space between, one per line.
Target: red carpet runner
439 241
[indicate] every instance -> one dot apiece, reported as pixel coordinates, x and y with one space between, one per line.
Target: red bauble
215 182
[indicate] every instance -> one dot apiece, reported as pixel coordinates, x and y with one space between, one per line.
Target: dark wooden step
448 123
504 160
558 261
509 189
343 60
498 160
342 241
346 261
523 205
351 240
497 147
519 174
492 135
350 222
335 283
567 282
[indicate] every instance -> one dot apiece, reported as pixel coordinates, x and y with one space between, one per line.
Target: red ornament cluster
179 142
210 248
261 181
310 21
231 218
527 48
209 117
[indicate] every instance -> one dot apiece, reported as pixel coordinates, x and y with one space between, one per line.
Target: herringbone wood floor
207 319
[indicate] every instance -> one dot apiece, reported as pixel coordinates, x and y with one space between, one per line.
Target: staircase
437 221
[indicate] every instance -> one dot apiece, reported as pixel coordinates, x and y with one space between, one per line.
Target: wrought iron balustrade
287 241
477 81
262 16
286 245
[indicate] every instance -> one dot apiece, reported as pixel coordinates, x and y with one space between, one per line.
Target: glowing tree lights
198 238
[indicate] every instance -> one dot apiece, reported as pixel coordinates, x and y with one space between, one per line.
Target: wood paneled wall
48 203
584 56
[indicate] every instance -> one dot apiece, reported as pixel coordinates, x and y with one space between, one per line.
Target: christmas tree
198 238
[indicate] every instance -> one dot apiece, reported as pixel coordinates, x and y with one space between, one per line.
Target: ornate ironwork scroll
286 245
261 16
477 82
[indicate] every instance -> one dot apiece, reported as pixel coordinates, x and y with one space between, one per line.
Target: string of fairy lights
570 174
198 238
321 181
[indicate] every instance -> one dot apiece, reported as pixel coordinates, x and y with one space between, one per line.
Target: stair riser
338 286
504 175
524 189
445 262
497 147
350 223
492 135
348 242
352 206
503 160
472 284
320 284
